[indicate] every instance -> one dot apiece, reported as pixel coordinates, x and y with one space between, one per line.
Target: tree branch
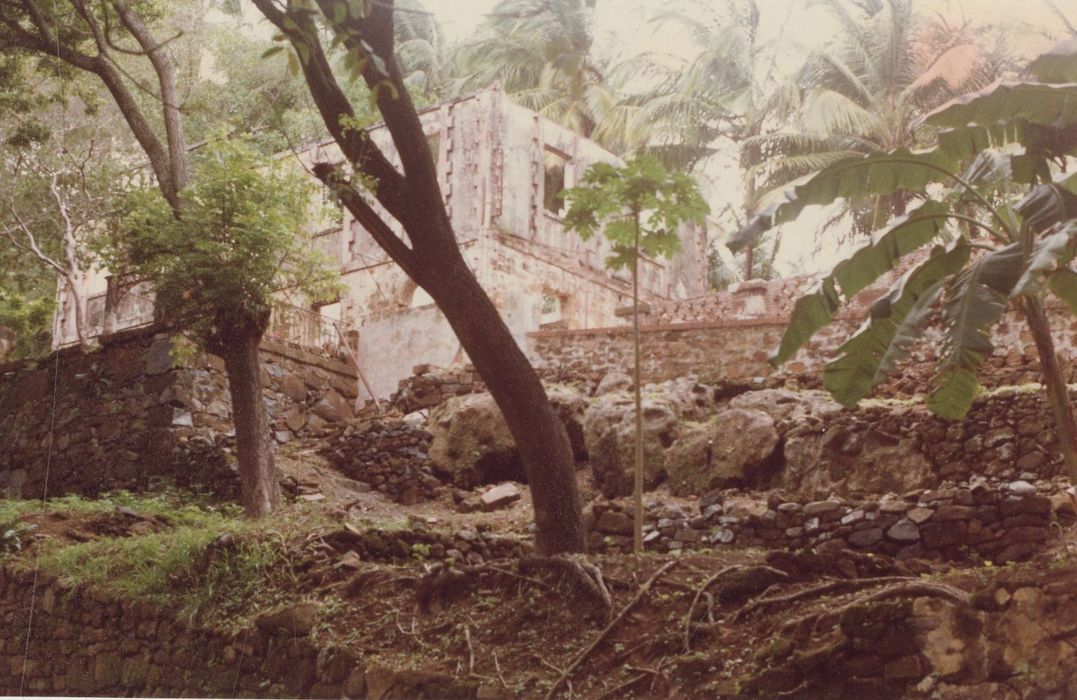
395 105
166 79
335 109
368 218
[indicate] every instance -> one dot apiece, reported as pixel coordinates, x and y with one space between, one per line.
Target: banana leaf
1059 65
894 324
1063 282
1051 253
1047 205
1045 104
851 178
879 256
975 300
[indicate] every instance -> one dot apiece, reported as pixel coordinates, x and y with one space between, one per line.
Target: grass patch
212 566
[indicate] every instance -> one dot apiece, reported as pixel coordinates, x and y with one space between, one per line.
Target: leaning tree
1002 226
429 252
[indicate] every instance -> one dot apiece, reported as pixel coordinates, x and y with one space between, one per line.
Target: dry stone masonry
980 520
127 414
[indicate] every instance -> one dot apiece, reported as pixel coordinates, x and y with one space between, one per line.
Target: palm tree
730 91
540 53
864 93
421 50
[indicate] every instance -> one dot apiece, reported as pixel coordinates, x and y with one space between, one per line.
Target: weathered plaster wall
491 158
390 347
124 414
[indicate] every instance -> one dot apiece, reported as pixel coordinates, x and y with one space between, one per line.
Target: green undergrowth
209 564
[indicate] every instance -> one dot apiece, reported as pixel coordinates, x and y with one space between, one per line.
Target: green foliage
641 198
1011 242
237 240
210 564
30 319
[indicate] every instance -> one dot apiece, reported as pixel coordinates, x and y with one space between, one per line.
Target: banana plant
1000 224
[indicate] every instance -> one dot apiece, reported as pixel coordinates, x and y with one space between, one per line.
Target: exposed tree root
582 655
695 601
914 588
839 586
584 578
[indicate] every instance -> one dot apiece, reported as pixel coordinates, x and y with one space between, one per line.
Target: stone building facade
500 167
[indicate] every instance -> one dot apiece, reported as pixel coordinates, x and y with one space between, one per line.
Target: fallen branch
582 655
616 690
470 652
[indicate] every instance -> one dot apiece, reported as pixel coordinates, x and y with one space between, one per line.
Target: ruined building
501 168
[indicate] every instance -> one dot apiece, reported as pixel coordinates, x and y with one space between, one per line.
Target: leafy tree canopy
236 242
643 194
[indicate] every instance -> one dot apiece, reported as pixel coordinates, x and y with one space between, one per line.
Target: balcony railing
306 329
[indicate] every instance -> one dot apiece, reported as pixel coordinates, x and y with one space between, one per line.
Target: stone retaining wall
430 386
726 349
126 413
390 455
999 522
82 643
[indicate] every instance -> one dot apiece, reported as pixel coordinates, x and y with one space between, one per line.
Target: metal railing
306 328
311 330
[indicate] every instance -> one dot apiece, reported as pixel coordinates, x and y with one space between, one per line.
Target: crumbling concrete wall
494 167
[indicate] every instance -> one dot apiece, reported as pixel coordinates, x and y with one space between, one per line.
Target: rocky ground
380 585
792 550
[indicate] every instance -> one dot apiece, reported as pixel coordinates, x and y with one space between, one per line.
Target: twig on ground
582 655
616 690
500 676
470 652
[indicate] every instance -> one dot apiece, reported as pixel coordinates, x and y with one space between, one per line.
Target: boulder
471 441
296 620
612 383
472 444
570 406
785 405
692 400
846 462
734 448
609 429
500 496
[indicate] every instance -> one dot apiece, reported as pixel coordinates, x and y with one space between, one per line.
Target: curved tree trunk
1055 385
539 435
259 489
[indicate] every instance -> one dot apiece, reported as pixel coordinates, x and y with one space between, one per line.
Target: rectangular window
554 165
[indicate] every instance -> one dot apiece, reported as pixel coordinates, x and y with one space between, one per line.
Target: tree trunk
1055 385
637 488
539 435
258 485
